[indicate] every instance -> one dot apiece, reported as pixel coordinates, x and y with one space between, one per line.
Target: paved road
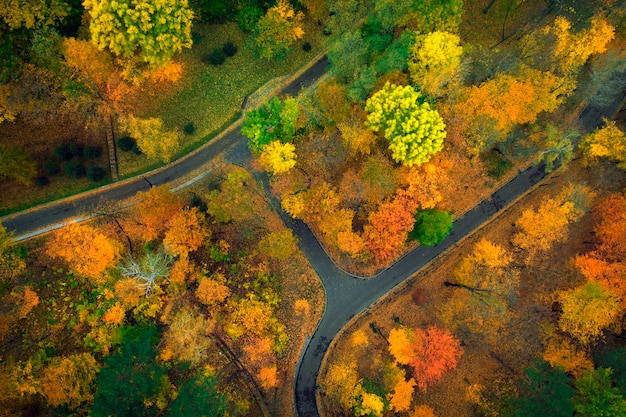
55 214
346 295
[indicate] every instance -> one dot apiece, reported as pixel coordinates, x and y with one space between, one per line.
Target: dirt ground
506 358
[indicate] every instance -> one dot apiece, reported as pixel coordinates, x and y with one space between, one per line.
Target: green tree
276 31
198 396
15 164
152 138
129 377
276 120
432 15
348 56
414 130
613 357
587 311
152 30
597 397
546 392
431 226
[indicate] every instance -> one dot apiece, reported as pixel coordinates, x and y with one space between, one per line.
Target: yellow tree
11 263
402 395
277 30
358 138
607 142
85 249
435 61
187 337
152 137
278 158
587 311
279 245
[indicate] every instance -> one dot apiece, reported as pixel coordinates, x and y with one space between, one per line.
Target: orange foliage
168 73
562 352
354 134
351 243
29 301
127 291
301 307
388 227
268 377
421 185
88 251
68 380
422 411
114 315
402 395
259 351
211 292
154 212
187 231
187 337
430 353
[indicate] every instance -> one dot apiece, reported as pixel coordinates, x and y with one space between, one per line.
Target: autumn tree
561 351
435 61
358 138
414 130
276 120
187 337
11 258
153 139
333 102
277 30
588 311
436 15
235 200
367 403
187 232
387 229
85 249
557 148
153 213
278 158
16 164
280 245
212 291
255 318
542 227
402 395
152 31
607 142
69 380
596 396
430 352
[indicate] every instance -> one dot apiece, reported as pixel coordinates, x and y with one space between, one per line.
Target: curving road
346 295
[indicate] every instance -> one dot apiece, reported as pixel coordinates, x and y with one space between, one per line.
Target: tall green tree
546 391
415 131
129 377
198 396
597 397
276 120
152 30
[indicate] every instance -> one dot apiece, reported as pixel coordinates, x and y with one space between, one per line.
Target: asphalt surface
346 295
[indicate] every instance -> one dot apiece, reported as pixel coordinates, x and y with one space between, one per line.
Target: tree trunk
110 139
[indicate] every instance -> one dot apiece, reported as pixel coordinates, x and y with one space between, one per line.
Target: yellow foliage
356 136
435 60
607 142
402 395
293 204
22 379
371 405
280 245
187 336
400 345
573 49
154 140
563 353
359 339
340 381
351 243
278 158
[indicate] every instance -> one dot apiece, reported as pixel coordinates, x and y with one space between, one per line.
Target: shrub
496 164
196 38
51 168
74 169
126 143
431 226
96 174
76 149
216 57
306 46
229 49
189 128
92 152
41 181
63 152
